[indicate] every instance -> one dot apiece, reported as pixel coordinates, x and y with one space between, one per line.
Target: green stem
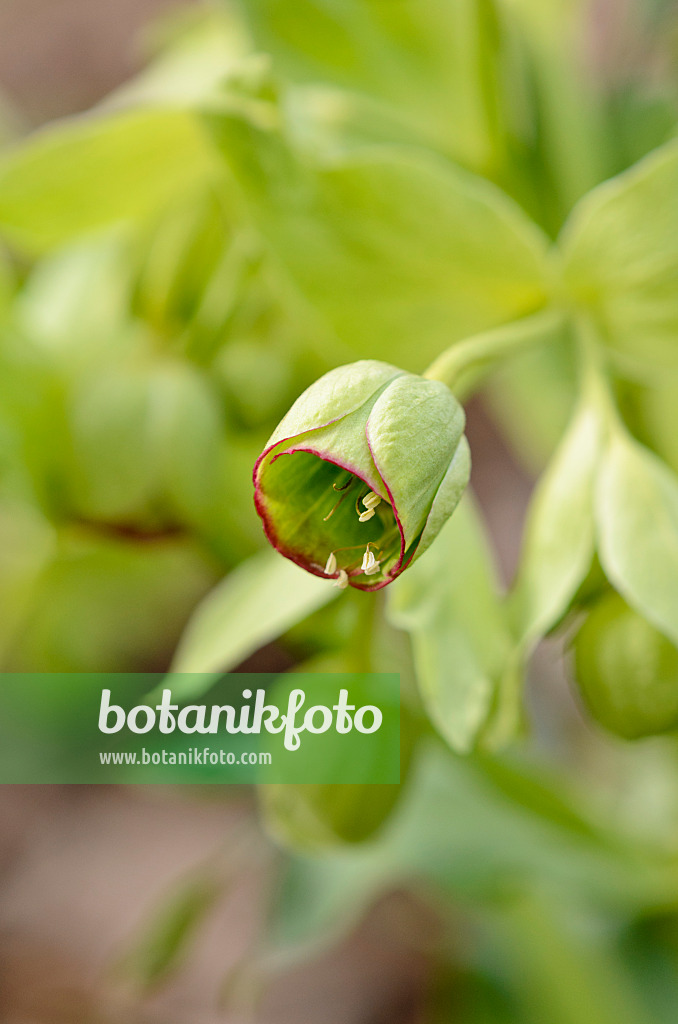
362 637
593 370
464 363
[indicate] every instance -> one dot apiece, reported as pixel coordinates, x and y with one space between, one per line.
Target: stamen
345 486
364 517
334 508
371 499
370 564
331 566
341 581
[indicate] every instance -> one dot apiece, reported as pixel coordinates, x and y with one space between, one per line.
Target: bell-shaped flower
362 473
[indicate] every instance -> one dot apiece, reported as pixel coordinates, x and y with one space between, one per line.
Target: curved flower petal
414 431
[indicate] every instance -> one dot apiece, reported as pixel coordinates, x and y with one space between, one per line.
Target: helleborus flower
362 473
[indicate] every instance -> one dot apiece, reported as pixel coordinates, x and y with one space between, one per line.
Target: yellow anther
371 500
370 564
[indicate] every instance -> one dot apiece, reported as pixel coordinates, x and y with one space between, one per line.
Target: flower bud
626 671
362 473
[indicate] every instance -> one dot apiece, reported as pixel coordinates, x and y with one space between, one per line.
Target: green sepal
414 431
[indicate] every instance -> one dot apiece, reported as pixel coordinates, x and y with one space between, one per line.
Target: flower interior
328 519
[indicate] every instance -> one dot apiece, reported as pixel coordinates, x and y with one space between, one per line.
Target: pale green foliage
27 543
559 540
449 603
637 524
92 173
622 260
432 251
253 606
431 63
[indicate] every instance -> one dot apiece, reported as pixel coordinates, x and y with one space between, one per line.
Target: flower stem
463 364
593 371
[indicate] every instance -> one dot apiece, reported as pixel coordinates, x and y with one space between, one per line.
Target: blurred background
83 869
141 373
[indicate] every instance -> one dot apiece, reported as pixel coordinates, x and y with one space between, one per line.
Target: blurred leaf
33 413
91 173
167 936
449 603
197 49
641 117
627 671
464 365
621 256
187 428
478 833
658 408
27 543
637 523
75 303
401 251
7 282
114 456
559 542
434 63
177 259
258 380
146 442
565 121
256 603
110 603
560 978
532 397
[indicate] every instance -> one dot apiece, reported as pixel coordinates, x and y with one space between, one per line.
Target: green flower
362 473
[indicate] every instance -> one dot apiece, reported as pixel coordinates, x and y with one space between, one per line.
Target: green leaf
621 259
559 540
564 98
399 251
435 64
27 544
449 602
91 173
415 431
262 598
637 525
658 408
199 47
7 282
